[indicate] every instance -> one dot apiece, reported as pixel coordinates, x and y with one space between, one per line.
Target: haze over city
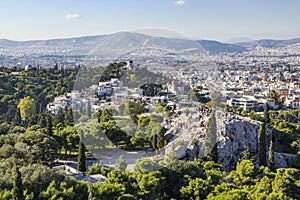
201 19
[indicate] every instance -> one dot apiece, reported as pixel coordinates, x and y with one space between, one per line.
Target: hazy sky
205 19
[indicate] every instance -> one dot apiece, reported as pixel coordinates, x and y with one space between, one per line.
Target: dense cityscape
150 110
154 100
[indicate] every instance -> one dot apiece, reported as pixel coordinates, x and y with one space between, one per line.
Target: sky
202 19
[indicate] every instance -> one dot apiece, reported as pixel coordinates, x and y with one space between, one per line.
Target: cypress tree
81 156
17 119
59 118
271 162
262 155
266 114
43 121
68 121
49 124
211 150
17 190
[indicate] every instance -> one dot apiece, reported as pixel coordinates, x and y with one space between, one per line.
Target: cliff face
234 136
237 136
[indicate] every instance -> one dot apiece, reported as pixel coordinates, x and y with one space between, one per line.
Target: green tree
68 118
151 185
196 189
266 114
286 183
262 145
145 165
68 138
158 139
121 163
244 174
69 189
17 191
49 124
43 148
275 96
175 176
271 163
17 119
211 151
36 177
42 121
81 157
59 118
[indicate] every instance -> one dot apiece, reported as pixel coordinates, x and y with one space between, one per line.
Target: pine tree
271 162
81 156
211 150
17 190
262 145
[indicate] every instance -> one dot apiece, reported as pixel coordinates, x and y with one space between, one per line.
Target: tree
68 189
158 138
59 118
42 121
150 184
17 119
175 176
27 108
37 178
271 163
106 191
275 96
68 118
81 156
17 191
121 163
266 114
286 183
145 165
68 138
49 124
262 145
196 189
43 148
211 151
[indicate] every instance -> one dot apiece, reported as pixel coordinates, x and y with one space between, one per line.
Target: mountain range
125 40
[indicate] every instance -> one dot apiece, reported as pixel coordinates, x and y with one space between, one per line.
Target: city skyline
214 19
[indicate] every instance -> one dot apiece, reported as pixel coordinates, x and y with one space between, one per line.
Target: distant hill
239 40
218 47
125 40
8 43
270 43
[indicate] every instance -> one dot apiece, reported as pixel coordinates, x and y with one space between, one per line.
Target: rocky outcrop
283 160
237 136
234 136
180 151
